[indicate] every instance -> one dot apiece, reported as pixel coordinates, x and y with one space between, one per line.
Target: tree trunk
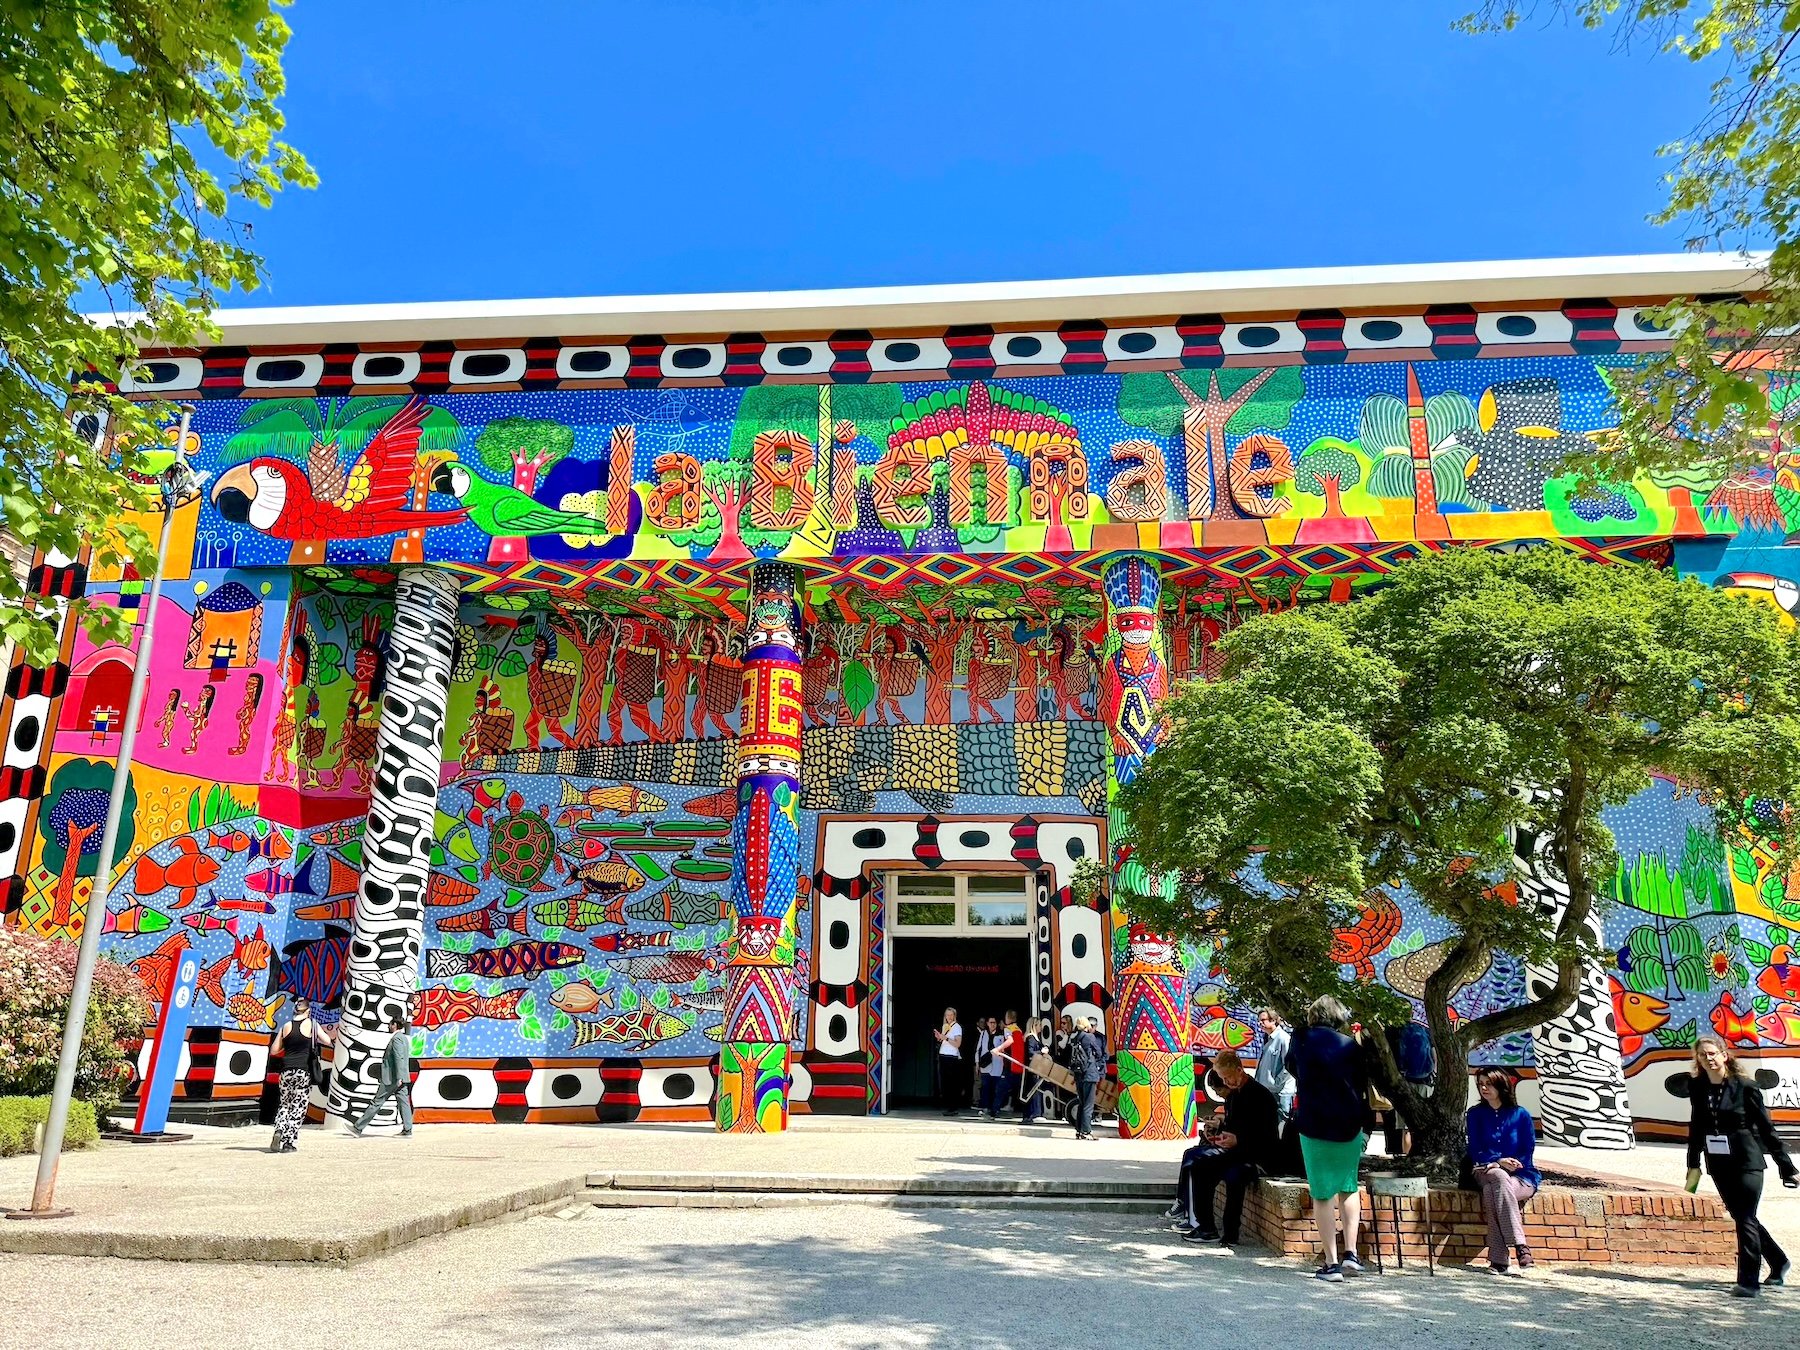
730 503
1334 508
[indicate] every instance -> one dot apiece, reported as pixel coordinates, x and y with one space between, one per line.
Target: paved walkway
851 1276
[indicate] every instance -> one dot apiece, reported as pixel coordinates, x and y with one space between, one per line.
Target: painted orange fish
188 871
1636 1015
1734 1027
250 1011
1781 977
1781 1025
211 980
253 953
446 891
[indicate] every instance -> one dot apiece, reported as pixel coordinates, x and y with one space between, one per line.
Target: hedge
21 1116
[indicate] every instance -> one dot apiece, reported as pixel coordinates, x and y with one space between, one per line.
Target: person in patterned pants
297 1042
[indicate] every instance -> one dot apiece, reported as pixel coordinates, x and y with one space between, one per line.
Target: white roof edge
1003 302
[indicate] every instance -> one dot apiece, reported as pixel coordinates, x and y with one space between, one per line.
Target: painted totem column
1582 1098
765 844
383 969
1151 1044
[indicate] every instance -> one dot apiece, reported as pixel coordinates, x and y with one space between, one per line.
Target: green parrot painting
506 512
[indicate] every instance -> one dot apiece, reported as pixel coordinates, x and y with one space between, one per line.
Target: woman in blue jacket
1501 1142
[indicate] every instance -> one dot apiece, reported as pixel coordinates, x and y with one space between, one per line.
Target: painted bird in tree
277 497
506 512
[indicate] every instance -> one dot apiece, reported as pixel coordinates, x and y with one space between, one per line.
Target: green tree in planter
1374 743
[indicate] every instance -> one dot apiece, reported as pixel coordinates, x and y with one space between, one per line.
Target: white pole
43 1193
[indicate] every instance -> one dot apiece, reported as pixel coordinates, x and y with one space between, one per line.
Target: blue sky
471 151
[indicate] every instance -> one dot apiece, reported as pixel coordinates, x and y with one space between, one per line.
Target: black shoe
1743 1291
1778 1278
1200 1235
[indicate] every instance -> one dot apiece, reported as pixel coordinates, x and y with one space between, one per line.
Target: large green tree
1733 183
132 132
1376 743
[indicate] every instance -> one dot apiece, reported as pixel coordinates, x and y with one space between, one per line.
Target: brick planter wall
1628 1223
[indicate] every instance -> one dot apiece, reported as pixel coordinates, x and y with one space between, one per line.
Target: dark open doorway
977 976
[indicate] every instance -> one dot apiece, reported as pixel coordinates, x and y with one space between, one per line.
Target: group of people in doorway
1003 1080
1312 1096
300 1041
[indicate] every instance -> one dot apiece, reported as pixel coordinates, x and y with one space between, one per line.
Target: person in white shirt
949 1061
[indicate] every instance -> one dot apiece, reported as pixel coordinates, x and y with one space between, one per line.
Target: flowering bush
35 978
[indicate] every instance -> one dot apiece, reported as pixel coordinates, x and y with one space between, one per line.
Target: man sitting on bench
1232 1151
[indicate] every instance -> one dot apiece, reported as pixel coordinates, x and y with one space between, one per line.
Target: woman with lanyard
1730 1127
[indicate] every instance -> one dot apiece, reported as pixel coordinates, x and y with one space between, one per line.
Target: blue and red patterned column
765 877
1151 1046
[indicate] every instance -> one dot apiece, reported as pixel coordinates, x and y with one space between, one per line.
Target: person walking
1729 1125
1330 1098
1087 1060
949 1038
396 1081
1501 1142
1031 1088
297 1042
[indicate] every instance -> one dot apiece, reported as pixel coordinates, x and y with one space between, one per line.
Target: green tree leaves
132 130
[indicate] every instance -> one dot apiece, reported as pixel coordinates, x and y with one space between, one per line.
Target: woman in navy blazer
1729 1126
1502 1140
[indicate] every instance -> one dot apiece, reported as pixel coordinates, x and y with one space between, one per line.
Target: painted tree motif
1420 453
1329 468
523 447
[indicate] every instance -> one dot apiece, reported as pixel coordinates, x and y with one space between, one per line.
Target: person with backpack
1417 1062
1087 1060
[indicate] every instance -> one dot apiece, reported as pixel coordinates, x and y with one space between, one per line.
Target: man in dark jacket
396 1081
1233 1152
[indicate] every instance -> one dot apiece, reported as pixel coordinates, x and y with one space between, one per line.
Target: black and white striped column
383 969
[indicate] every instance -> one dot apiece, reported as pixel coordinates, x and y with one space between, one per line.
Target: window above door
992 904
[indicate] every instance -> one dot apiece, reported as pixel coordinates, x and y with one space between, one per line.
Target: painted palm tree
1415 445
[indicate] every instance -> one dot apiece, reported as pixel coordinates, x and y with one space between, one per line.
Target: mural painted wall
953 644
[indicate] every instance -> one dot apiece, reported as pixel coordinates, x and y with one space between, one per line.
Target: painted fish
672 904
188 871
610 878
1735 1027
339 907
625 798
250 1011
1781 1025
445 891
713 1000
1214 1028
720 805
135 919
1780 979
334 836
154 970
253 953
439 1006
314 969
453 840
631 942
528 959
273 846
489 919
570 911
211 979
668 967
1637 1015
642 1027
581 997
245 906
585 847
272 881
204 922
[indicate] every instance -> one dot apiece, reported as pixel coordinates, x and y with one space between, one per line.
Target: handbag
317 1070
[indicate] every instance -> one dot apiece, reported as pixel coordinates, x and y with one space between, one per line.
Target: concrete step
717 1188
601 1198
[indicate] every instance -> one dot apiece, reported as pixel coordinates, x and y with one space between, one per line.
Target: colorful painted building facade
685 718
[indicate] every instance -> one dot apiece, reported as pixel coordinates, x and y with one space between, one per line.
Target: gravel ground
851 1276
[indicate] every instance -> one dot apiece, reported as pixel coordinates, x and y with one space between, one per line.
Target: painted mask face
1136 627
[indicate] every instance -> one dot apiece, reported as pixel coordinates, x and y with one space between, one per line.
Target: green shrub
35 978
21 1116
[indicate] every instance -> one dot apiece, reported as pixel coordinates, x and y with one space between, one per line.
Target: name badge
1718 1144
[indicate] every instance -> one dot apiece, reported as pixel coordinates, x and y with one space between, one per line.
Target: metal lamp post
175 479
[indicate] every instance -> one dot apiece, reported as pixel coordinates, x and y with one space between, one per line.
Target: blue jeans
1084 1104
991 1086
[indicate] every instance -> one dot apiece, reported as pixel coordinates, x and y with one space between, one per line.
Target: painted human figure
199 715
165 725
721 686
990 672
637 666
287 724
1072 671
546 704
360 726
1135 681
246 713
677 675
896 677
820 666
312 739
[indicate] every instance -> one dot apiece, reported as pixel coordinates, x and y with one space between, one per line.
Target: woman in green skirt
1331 1085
